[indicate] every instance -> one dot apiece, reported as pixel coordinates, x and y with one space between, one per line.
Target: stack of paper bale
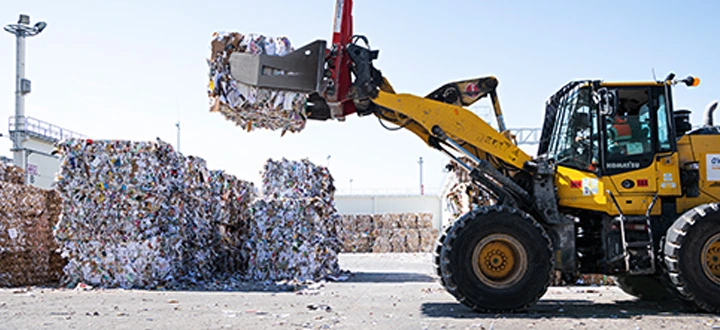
11 174
230 207
355 232
464 195
137 214
293 232
248 106
28 253
389 232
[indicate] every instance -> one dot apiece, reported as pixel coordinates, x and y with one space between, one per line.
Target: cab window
637 131
571 143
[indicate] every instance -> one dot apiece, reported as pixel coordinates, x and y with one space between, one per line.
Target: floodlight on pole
21 30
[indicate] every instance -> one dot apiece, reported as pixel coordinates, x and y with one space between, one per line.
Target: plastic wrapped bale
248 106
27 249
292 239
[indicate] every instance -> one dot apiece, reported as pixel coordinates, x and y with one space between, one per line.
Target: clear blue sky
124 69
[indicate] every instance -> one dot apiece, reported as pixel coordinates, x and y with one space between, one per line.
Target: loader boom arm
420 115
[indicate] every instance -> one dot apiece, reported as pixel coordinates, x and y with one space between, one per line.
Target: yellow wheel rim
711 258
499 261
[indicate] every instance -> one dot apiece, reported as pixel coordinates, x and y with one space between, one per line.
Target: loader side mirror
607 101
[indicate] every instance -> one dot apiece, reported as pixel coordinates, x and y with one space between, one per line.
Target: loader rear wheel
496 259
692 256
648 288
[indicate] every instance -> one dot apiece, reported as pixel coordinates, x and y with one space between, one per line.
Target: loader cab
608 128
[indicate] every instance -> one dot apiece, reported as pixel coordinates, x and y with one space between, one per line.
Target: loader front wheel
496 259
692 256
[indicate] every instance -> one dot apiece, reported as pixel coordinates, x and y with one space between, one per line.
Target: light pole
178 135
21 30
422 186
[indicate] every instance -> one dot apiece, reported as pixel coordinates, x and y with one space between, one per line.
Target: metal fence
41 128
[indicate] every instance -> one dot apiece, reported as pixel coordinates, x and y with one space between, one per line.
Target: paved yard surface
387 291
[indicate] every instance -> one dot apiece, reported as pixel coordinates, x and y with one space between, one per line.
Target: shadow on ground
388 277
571 309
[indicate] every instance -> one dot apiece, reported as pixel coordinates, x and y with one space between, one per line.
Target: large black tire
438 250
691 261
516 253
648 288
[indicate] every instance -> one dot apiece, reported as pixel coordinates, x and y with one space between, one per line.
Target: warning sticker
712 164
590 186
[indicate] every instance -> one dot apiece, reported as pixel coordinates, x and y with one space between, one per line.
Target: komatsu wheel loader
622 183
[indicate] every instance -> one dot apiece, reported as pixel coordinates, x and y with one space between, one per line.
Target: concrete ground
387 291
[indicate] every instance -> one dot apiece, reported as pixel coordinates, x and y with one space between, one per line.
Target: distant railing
387 192
526 135
43 129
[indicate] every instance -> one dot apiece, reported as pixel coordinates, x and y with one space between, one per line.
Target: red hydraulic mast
339 62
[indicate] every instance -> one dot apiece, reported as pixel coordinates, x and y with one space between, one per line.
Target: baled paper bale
425 220
291 239
427 239
297 179
412 240
27 249
248 106
140 214
408 220
294 230
382 244
397 240
358 234
11 174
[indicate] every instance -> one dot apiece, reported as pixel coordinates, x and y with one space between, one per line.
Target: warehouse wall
377 204
41 167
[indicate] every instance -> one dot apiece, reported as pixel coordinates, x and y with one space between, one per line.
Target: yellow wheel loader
622 183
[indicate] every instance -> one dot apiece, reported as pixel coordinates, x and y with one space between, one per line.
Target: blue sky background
126 69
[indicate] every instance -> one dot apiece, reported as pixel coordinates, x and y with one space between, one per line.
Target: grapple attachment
300 71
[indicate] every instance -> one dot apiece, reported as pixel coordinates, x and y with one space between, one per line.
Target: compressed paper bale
364 244
26 241
403 221
382 244
248 106
292 239
364 226
297 179
427 239
12 174
425 220
412 240
384 221
397 240
158 213
294 231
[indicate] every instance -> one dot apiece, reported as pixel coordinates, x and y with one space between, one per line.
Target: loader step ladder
636 240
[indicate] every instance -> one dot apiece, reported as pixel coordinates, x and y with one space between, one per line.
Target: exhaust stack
709 110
